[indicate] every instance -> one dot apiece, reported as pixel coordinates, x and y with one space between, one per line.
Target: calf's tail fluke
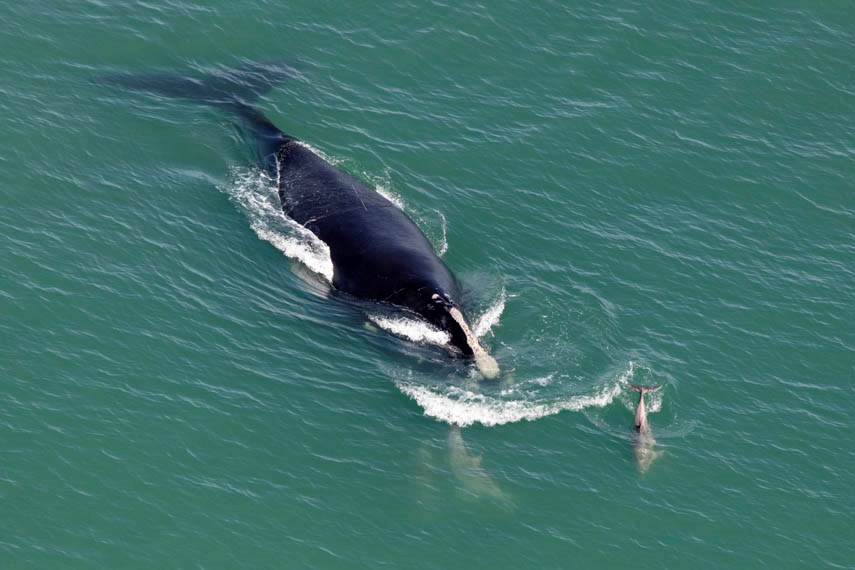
645 389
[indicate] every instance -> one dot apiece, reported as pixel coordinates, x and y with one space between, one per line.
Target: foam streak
463 408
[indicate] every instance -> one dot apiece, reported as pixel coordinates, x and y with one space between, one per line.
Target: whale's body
378 253
644 444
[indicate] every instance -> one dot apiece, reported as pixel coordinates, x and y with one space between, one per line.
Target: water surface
629 193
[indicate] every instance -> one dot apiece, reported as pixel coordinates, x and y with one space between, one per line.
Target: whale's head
439 310
444 313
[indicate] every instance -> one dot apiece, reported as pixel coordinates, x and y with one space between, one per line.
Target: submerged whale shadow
471 481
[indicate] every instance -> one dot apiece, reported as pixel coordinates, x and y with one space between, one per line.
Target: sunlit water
629 194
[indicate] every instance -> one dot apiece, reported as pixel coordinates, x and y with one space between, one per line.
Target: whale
378 253
644 442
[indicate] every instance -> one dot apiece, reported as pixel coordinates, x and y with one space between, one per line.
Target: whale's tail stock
244 83
234 89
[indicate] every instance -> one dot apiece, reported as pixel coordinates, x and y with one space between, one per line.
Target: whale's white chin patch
487 365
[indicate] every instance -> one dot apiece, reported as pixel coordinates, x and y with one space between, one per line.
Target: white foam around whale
442 248
257 196
386 193
420 331
411 328
459 406
526 400
490 317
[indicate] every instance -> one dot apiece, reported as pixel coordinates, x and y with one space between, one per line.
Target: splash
412 329
394 198
490 317
461 407
420 331
443 244
256 195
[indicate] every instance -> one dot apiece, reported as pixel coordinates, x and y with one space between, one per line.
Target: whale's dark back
378 253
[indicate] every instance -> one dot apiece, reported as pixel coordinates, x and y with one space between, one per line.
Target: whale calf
644 444
378 253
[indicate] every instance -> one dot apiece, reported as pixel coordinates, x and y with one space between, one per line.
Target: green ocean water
630 193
